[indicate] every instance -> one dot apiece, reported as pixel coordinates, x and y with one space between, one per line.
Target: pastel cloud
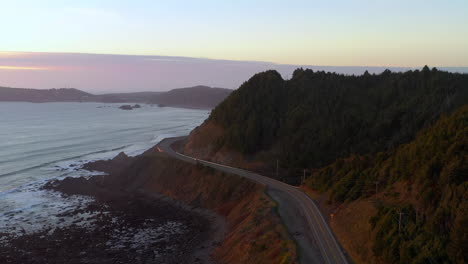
335 32
16 68
128 73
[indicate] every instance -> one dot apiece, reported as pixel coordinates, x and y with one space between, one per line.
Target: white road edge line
323 222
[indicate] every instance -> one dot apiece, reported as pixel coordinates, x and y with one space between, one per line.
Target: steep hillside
316 117
193 97
255 233
425 180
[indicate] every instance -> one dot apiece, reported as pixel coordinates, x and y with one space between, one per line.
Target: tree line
361 135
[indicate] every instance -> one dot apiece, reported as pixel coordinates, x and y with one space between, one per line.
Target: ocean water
39 142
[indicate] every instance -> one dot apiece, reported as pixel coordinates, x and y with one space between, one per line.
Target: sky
397 33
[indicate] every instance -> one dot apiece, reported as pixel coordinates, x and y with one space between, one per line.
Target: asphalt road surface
300 214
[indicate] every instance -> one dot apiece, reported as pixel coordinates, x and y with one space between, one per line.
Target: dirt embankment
350 221
202 143
254 232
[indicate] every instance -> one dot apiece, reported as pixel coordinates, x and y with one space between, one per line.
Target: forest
316 117
363 137
434 172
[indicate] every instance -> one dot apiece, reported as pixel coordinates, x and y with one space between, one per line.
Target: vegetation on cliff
393 143
255 232
425 180
316 117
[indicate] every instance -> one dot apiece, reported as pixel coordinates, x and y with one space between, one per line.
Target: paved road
289 198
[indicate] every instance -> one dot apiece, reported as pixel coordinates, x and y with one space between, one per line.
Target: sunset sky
397 33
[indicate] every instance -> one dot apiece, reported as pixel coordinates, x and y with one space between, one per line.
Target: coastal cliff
369 147
203 144
254 232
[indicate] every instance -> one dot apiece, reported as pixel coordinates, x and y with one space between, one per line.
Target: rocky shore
155 209
121 225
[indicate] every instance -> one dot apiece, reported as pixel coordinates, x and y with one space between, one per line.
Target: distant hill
202 97
192 97
138 97
41 96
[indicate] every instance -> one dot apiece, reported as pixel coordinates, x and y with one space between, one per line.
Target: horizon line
16 52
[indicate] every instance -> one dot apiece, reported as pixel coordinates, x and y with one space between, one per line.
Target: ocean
40 142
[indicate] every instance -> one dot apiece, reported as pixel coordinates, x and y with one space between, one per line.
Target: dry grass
255 232
350 223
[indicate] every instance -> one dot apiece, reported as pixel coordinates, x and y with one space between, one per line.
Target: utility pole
376 187
400 213
304 177
277 169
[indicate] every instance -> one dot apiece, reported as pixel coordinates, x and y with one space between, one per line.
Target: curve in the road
330 250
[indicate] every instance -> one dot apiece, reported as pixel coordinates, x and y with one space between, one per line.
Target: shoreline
116 235
190 107
231 219
204 228
203 251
